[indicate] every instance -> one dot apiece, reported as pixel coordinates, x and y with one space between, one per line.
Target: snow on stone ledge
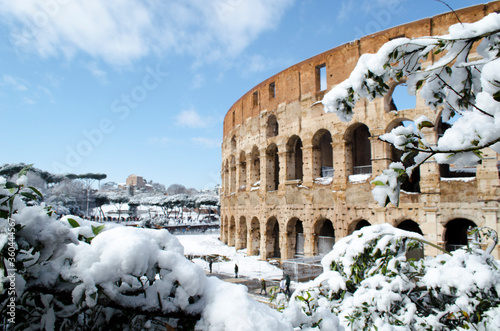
323 180
458 179
359 178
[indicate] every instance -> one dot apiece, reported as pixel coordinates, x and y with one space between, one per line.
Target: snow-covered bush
456 84
369 283
71 274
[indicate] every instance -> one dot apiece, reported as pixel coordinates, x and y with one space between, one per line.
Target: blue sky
141 87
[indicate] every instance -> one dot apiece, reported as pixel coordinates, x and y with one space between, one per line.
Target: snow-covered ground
209 244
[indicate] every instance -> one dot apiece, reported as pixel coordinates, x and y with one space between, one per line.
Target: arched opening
231 232
358 150
254 237
273 168
412 226
232 174
398 98
322 154
243 170
456 233
412 184
450 170
325 236
242 233
224 230
273 238
294 159
233 143
272 126
357 225
255 166
295 234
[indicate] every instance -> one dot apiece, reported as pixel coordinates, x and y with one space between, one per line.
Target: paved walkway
253 286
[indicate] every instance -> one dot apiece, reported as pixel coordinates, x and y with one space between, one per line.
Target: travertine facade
295 179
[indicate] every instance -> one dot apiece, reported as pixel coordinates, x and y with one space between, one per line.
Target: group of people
284 286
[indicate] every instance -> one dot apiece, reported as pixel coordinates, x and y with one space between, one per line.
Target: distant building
136 181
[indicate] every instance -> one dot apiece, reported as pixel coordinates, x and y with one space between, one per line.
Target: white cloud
121 31
191 118
100 74
206 142
16 83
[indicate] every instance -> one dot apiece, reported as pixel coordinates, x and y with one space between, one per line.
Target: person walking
282 285
287 283
263 286
210 265
236 270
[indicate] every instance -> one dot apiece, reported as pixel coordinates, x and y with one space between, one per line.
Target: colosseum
296 179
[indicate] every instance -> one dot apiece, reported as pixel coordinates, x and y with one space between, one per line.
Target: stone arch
254 165
241 234
322 154
411 184
231 231
295 238
412 226
272 238
232 174
324 235
397 98
357 225
273 168
254 237
243 169
224 229
233 144
358 150
294 159
447 170
455 233
272 126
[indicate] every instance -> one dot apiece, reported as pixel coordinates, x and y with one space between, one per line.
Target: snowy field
208 244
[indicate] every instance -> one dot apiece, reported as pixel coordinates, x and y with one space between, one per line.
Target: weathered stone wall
267 214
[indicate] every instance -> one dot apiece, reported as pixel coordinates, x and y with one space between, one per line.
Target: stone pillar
263 243
488 182
429 174
433 231
340 162
380 159
264 172
491 216
250 171
309 238
284 161
308 160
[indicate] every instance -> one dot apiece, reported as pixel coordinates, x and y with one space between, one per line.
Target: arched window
412 226
322 154
273 238
254 237
243 170
294 158
456 233
273 168
233 143
272 126
255 166
325 235
295 236
398 98
358 225
362 155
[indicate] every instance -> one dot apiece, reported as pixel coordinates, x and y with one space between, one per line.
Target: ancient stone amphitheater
295 179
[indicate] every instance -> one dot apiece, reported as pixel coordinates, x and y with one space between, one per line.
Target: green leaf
448 70
36 191
97 229
496 96
11 185
425 124
29 195
378 183
73 223
419 84
24 170
301 298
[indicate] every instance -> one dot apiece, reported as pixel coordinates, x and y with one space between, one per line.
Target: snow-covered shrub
73 274
370 284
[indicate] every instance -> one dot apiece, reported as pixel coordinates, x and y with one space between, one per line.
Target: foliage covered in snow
369 283
71 273
455 83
